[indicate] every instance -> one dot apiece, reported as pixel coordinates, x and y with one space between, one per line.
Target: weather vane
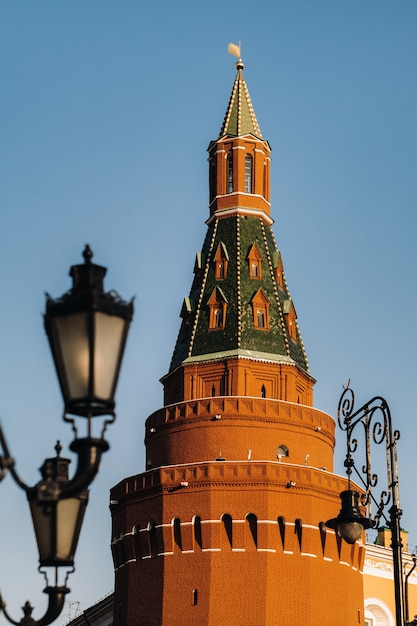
234 49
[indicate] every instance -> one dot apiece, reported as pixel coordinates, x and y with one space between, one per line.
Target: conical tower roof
240 118
241 242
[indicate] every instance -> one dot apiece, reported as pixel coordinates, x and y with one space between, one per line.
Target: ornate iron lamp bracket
375 418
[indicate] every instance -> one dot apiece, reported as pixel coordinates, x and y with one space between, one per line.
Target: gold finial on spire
234 49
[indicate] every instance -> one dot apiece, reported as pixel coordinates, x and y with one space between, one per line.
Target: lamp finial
87 254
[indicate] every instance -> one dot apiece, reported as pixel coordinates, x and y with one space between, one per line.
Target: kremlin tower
226 525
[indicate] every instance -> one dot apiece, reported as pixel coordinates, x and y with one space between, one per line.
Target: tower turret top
240 118
239 334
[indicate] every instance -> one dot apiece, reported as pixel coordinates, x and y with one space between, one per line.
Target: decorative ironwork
375 418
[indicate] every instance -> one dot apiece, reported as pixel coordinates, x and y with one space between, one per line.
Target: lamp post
375 418
87 330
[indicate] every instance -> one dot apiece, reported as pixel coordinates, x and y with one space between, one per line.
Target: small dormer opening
199 263
229 173
248 173
221 262
260 309
185 330
188 316
291 327
255 263
291 319
279 271
218 306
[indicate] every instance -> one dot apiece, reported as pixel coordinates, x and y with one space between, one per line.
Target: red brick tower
226 524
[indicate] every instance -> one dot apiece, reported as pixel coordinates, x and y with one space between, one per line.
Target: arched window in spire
260 310
229 173
188 315
218 317
248 173
218 306
221 262
291 319
278 268
255 262
260 314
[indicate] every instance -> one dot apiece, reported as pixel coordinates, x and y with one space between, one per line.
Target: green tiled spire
239 337
240 118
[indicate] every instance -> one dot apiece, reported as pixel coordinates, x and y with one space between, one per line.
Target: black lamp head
87 330
350 523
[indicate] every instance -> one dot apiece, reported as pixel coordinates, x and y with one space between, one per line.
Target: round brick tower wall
238 429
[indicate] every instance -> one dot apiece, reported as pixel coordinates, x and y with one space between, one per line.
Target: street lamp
375 418
350 523
87 330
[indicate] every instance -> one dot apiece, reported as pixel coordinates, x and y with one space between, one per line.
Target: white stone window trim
373 605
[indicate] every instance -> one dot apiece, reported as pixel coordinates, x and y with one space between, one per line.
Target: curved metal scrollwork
375 418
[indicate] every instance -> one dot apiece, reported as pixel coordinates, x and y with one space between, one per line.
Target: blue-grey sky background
106 111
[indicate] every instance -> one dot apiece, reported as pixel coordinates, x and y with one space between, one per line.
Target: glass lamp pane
350 531
43 526
57 527
108 343
68 525
70 333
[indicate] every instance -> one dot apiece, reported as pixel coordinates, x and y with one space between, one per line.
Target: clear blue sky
107 109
